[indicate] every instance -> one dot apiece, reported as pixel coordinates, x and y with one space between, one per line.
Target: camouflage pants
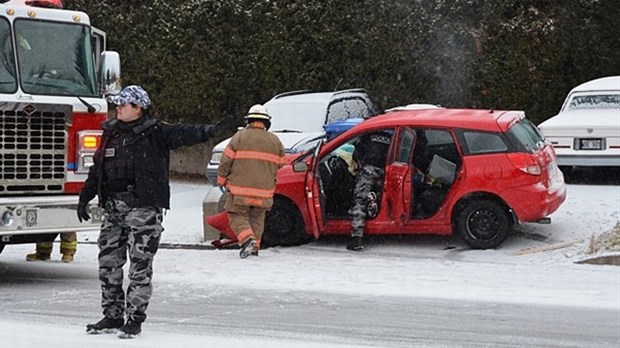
134 232
366 179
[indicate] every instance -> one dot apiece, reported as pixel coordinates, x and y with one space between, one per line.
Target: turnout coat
249 165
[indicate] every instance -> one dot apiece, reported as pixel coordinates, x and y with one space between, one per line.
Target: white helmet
259 113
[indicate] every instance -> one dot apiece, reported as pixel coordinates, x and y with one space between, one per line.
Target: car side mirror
300 166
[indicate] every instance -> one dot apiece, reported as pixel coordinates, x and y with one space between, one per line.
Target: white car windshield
601 101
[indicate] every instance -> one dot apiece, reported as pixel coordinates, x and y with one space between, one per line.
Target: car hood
590 118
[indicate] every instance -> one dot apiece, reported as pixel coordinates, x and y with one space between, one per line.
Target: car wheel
483 224
284 225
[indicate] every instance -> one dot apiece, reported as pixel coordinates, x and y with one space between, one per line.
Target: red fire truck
54 72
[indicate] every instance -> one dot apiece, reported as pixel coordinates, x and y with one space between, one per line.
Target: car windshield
528 136
602 101
55 58
307 145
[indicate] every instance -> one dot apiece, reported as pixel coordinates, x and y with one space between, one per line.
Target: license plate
590 144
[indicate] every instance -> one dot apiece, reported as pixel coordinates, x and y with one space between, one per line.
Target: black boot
105 325
355 244
130 329
248 248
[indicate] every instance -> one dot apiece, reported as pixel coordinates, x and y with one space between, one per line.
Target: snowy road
401 292
373 315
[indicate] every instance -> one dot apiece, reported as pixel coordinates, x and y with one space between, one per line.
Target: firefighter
130 177
68 247
370 153
248 171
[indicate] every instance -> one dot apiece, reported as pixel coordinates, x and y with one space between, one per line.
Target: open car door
399 176
314 192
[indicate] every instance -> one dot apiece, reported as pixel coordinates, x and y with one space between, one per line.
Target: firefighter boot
38 256
248 248
68 246
42 253
256 248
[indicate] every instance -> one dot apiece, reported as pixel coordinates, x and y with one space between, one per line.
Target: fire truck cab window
55 58
7 61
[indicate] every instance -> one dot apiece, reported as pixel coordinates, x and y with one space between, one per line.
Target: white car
586 132
299 117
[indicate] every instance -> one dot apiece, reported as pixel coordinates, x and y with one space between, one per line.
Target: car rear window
349 107
526 135
603 101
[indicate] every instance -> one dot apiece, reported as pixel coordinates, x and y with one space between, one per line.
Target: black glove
220 126
82 211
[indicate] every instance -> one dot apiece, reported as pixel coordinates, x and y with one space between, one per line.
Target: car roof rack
352 90
286 94
307 91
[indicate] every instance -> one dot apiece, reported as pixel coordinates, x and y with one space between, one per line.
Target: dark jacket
372 149
149 142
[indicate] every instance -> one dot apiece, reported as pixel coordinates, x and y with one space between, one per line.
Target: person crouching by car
371 152
248 171
130 177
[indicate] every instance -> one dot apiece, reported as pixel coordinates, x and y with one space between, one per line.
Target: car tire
483 224
284 225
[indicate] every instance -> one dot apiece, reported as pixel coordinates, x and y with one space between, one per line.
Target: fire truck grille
33 147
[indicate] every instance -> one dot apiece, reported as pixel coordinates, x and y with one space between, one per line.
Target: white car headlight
216 157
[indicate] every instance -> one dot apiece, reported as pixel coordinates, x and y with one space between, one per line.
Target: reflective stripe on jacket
249 165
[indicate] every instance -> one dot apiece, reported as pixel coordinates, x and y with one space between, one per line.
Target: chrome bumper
47 214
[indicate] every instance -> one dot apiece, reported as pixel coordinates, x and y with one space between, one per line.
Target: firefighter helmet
259 113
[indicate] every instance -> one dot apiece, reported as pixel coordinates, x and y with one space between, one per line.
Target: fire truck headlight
7 218
86 161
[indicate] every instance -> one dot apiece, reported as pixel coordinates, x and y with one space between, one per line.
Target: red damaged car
472 172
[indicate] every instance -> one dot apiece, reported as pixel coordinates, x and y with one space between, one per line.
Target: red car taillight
88 141
525 163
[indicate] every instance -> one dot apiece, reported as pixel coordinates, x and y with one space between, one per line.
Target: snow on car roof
601 84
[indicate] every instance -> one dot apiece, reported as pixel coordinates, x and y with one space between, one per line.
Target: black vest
118 166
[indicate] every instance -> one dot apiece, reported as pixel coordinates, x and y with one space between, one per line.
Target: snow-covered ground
538 266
